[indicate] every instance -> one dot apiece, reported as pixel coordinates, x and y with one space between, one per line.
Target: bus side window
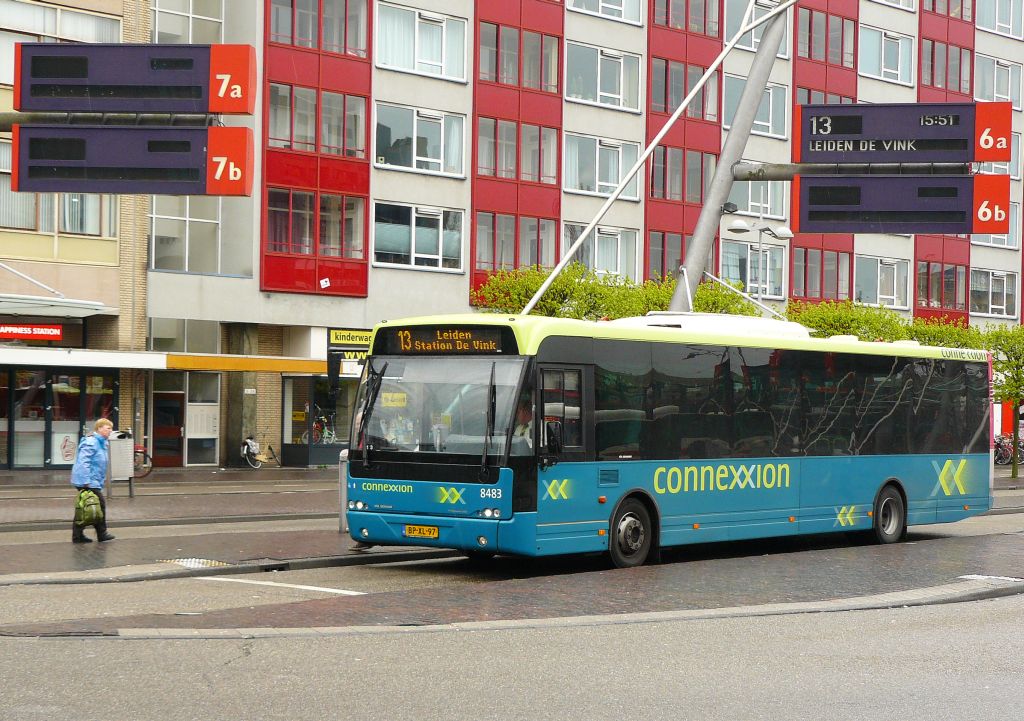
560 394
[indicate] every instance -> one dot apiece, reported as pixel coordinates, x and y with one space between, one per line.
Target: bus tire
890 517
631 534
479 558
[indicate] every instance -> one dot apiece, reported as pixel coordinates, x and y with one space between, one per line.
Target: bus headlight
360 505
351 505
481 541
491 513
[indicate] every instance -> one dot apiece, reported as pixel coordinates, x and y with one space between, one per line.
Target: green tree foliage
580 293
830 318
945 333
1006 343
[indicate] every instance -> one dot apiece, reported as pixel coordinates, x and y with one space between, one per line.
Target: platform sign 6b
135 159
902 133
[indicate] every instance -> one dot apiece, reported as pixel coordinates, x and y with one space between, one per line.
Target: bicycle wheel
317 435
251 459
143 464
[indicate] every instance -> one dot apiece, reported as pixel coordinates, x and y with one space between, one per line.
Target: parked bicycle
254 456
323 428
1003 453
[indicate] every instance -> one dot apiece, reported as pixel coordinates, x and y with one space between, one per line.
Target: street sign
950 204
137 159
902 133
51 77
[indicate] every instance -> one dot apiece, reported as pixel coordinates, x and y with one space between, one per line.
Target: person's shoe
107 537
83 539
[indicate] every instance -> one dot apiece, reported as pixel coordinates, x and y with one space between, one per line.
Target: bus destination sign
445 340
902 133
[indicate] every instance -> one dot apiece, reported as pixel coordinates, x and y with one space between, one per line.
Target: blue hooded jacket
90 467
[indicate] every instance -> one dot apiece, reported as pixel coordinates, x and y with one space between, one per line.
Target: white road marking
1009 579
339 591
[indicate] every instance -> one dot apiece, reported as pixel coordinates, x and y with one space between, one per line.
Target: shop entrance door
168 429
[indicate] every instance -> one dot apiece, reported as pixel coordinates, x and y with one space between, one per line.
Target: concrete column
240 415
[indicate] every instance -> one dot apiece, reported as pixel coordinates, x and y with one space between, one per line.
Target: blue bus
541 436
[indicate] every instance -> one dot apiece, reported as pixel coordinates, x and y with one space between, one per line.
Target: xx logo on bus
450 495
845 516
557 489
951 476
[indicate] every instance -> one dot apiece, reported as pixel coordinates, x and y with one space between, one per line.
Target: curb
187 521
126 574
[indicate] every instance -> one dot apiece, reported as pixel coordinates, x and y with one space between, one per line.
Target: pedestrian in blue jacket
90 472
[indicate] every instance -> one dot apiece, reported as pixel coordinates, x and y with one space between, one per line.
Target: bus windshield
437 405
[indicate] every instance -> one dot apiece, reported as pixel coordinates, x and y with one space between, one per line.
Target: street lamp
780 232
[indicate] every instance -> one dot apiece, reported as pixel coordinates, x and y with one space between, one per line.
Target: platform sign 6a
127 78
136 159
902 133
901 204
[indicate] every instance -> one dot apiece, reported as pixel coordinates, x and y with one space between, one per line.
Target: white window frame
189 221
421 17
888 75
188 16
997 65
630 192
1016 12
1005 275
605 234
620 101
759 199
751 40
427 116
1010 167
893 297
772 259
607 8
417 212
908 5
760 127
1002 240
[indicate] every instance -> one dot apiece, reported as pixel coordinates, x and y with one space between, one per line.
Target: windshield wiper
490 423
373 384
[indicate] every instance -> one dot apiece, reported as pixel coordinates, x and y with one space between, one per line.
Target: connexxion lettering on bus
654 432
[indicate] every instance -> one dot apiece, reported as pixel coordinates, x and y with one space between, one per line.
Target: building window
605 77
342 125
771 118
734 12
342 220
176 22
824 37
1002 240
806 96
499 54
417 139
421 42
32 23
886 56
672 81
945 66
606 251
759 197
905 4
740 264
497 249
881 281
695 16
595 165
627 10
540 62
665 253
496 148
959 9
539 157
941 285
294 22
70 213
290 216
1011 168
820 274
170 335
292 118
418 237
993 293
185 233
997 80
1005 17
668 171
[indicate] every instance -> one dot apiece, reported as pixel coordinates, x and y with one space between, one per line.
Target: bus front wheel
890 517
631 534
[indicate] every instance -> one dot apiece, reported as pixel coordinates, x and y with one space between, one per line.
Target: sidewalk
35 478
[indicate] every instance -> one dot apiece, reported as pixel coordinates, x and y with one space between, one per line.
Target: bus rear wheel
631 534
890 517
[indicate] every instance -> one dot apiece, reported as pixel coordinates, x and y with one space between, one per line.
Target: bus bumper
396 529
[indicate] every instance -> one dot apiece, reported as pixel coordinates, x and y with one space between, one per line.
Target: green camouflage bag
88 511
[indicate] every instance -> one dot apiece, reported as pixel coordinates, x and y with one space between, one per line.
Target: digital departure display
445 340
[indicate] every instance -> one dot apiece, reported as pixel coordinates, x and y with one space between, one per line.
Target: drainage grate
194 562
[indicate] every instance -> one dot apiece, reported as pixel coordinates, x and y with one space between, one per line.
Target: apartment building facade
409 148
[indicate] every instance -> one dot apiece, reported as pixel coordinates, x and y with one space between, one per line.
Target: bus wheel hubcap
887 517
631 533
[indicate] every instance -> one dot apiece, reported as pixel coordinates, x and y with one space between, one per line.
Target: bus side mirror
553 441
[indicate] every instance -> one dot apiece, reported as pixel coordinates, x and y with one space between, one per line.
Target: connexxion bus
541 436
